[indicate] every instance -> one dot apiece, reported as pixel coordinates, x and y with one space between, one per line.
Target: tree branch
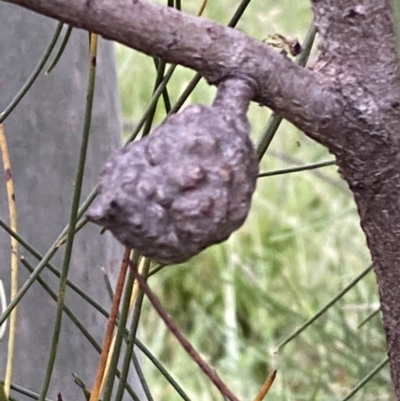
215 51
350 102
358 50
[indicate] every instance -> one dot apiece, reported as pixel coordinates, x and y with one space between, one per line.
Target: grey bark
349 102
358 55
44 137
211 49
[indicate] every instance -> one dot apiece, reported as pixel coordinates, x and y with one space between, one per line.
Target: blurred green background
301 245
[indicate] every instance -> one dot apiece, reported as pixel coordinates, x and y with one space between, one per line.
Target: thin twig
274 120
266 386
12 208
129 351
74 319
22 92
61 49
73 217
202 8
210 373
368 318
54 270
297 169
313 318
3 304
197 77
94 395
116 345
366 379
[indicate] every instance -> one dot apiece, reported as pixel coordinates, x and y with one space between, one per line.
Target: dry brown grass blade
206 369
266 386
97 385
14 257
202 8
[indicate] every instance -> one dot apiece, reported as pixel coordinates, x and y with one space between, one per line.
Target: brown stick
209 372
94 396
266 386
216 52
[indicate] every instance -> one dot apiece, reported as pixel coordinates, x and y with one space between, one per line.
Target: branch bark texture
358 52
349 101
213 50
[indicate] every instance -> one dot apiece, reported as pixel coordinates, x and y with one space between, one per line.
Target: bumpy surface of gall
185 186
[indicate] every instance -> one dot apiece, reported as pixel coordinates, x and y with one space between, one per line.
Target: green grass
301 244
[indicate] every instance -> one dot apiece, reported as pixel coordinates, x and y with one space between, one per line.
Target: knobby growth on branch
348 100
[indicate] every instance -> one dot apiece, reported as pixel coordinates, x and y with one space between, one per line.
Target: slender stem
366 379
27 284
186 93
12 208
22 92
107 282
238 13
160 64
132 336
297 169
141 377
167 101
202 8
38 256
266 386
162 370
73 217
66 309
61 49
120 335
156 269
81 327
80 383
323 309
369 317
268 134
44 261
210 373
197 77
3 304
94 396
274 121
24 391
303 57
154 99
97 347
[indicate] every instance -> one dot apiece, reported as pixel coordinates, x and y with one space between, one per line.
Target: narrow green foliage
61 49
153 102
132 337
43 260
297 169
73 219
366 379
274 121
18 97
112 373
313 318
